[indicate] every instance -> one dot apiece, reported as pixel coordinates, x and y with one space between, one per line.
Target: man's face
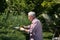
30 18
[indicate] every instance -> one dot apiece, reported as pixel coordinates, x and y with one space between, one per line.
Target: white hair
31 13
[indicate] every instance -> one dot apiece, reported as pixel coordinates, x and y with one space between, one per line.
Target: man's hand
26 30
22 29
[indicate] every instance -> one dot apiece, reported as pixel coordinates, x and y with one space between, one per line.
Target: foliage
14 13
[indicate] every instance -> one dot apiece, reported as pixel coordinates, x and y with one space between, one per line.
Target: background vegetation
14 13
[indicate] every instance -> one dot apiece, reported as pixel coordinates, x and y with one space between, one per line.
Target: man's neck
33 19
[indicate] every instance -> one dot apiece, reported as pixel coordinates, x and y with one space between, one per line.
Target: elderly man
35 28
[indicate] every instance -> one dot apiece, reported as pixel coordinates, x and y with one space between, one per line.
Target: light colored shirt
35 30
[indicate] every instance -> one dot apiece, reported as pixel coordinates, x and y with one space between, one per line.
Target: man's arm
32 26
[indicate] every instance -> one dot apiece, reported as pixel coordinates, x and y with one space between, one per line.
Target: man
35 29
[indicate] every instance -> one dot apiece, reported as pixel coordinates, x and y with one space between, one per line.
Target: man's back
37 31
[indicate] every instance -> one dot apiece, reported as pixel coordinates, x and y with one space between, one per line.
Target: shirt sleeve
32 26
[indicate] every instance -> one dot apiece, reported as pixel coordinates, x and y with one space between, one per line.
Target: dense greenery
14 13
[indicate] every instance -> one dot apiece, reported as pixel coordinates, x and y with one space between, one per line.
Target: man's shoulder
35 20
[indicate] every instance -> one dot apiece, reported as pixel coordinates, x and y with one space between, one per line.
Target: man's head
31 15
